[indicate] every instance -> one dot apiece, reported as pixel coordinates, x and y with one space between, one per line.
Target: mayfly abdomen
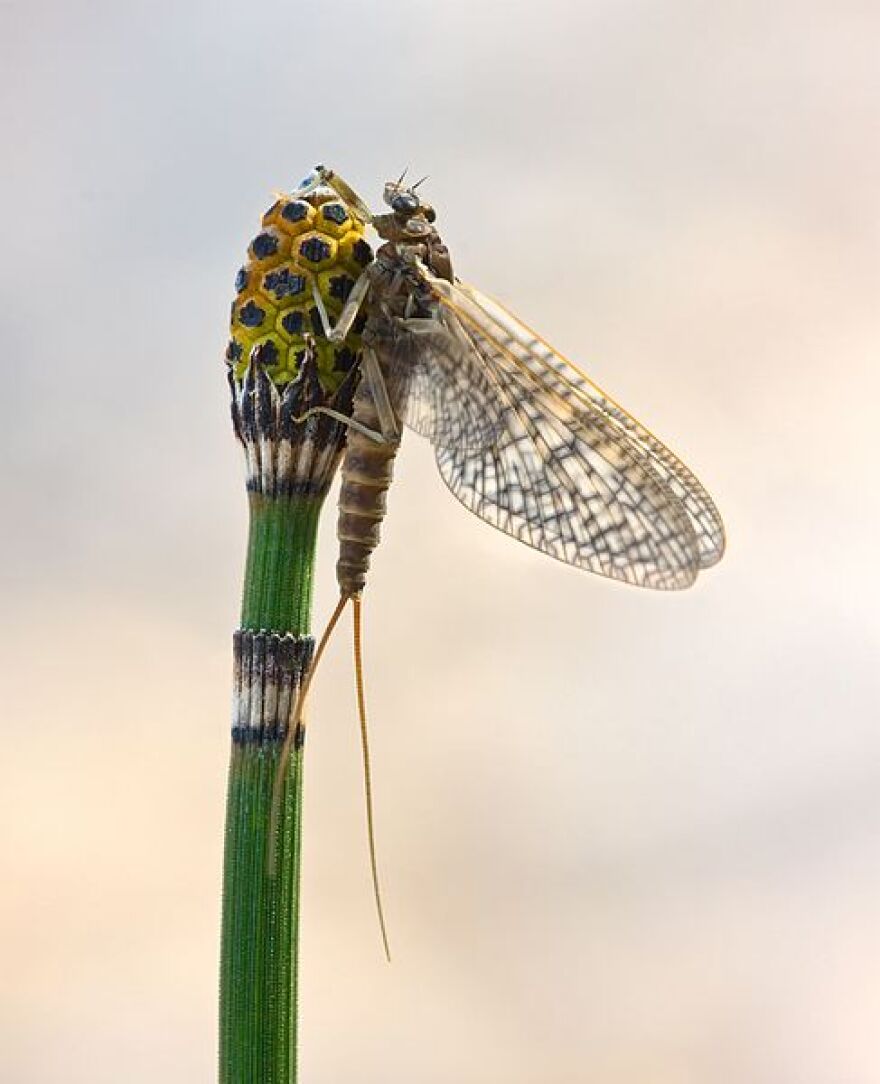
366 475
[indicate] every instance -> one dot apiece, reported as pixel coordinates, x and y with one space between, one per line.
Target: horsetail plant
281 367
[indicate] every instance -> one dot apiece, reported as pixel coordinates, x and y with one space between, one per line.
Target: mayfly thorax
523 438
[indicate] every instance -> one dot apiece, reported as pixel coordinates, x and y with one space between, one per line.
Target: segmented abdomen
366 475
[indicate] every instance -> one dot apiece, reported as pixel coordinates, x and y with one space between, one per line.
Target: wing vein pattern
531 445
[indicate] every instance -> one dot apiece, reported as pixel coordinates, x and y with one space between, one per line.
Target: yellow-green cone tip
305 242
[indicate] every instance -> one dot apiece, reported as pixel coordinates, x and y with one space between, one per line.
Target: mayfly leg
322 310
338 331
372 374
371 434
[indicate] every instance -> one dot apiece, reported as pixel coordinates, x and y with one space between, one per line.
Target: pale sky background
625 837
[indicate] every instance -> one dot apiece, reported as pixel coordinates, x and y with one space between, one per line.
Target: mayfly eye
405 202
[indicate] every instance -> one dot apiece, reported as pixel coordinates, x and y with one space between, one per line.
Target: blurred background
624 837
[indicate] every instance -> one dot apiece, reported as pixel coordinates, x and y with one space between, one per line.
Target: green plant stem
277 594
259 950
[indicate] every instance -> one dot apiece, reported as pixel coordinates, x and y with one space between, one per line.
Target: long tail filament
368 785
295 725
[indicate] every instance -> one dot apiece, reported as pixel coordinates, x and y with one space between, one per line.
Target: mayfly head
405 202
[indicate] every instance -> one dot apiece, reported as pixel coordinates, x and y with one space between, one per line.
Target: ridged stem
277 592
259 951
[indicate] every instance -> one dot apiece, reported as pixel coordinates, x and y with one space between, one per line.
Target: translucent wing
568 471
440 387
569 381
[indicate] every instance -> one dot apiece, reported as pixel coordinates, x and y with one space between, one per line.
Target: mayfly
523 438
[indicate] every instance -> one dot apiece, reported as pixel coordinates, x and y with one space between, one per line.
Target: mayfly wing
439 387
562 474
569 381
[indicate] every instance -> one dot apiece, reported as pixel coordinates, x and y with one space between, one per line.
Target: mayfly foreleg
322 309
337 332
320 175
